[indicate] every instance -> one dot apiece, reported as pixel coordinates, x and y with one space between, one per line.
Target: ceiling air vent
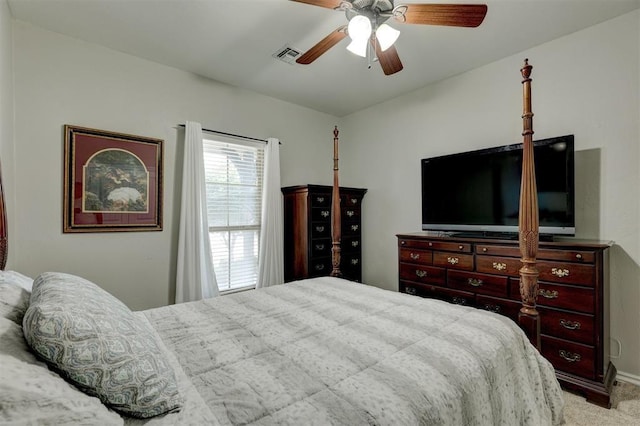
287 54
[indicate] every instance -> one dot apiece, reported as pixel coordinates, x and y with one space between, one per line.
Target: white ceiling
233 41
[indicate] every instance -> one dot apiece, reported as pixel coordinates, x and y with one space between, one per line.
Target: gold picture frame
112 181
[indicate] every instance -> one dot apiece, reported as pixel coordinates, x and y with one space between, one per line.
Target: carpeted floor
625 408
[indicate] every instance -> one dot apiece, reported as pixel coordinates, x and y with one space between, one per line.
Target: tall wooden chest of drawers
307 232
572 299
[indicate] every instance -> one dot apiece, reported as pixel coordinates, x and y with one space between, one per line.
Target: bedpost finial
526 69
335 132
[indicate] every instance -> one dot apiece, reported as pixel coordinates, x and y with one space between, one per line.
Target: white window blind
234 173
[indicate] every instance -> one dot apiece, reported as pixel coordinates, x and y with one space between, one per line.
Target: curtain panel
195 277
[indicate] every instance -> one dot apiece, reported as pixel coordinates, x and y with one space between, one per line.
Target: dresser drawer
570 357
567 325
584 256
321 215
320 230
349 200
422 257
505 307
350 228
498 265
351 244
453 260
422 274
494 250
320 267
436 245
351 266
569 273
573 298
350 260
350 213
320 200
435 292
321 247
482 283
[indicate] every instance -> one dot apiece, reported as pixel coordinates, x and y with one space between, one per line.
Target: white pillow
14 301
16 278
32 394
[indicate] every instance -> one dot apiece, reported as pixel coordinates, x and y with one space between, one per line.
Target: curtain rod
230 134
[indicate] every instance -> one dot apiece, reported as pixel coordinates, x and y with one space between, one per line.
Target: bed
321 351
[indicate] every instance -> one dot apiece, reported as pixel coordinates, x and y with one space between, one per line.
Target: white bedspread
326 351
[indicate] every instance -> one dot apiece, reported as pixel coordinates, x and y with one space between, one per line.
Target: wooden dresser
307 232
572 299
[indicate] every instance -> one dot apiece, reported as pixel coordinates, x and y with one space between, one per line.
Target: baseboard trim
629 378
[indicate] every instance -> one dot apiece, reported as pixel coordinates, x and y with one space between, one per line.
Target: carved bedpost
4 241
529 317
335 212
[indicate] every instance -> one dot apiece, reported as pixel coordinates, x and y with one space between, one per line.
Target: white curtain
195 278
271 253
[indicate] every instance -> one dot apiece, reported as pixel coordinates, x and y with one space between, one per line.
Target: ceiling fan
372 38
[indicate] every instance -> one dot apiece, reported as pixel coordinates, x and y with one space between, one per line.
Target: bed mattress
327 351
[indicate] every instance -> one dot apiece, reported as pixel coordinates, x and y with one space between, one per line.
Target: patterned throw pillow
99 345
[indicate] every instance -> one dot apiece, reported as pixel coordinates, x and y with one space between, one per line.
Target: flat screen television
478 192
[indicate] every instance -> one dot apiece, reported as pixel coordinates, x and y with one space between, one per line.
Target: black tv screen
479 191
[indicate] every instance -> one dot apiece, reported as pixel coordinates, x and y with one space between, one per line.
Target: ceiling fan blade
322 46
330 4
455 15
389 59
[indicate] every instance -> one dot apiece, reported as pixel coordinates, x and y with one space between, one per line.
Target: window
233 173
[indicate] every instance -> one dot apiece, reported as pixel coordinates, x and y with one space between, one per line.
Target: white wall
6 115
61 80
586 84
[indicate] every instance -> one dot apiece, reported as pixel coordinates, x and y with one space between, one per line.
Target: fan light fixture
359 30
386 36
371 38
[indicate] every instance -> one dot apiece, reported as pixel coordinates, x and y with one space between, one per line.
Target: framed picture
112 181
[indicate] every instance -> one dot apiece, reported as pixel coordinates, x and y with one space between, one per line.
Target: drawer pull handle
414 256
578 256
355 227
320 228
410 290
354 201
319 246
559 272
571 325
319 267
475 282
355 243
492 308
430 244
350 213
499 266
324 213
548 294
484 249
460 247
355 261
420 273
320 199
453 260
459 300
569 356
403 243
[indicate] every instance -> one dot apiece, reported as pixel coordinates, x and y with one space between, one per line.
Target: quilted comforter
326 351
